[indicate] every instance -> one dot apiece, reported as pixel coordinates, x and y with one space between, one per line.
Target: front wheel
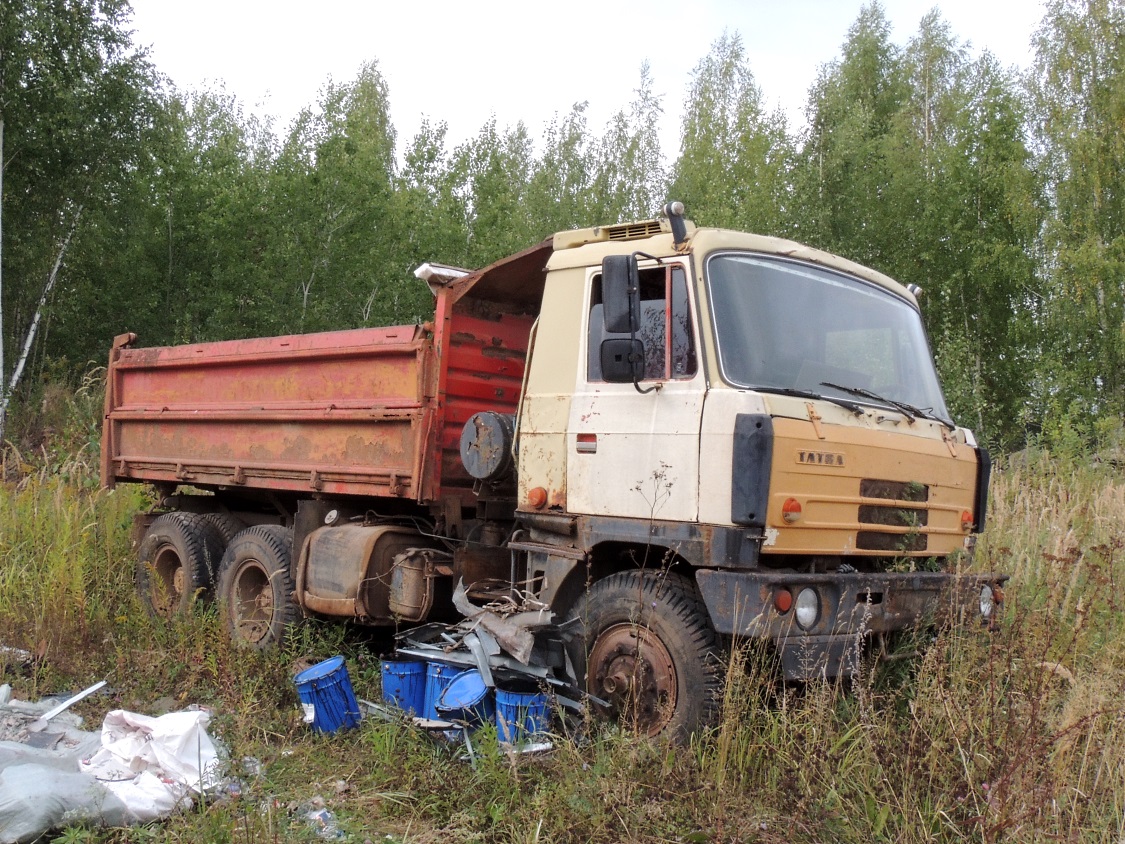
648 650
256 587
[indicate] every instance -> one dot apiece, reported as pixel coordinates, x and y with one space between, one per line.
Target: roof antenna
674 211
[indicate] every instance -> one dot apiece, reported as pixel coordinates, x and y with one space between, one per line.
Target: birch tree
1079 101
734 162
71 98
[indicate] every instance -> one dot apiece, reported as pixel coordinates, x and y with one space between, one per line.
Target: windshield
786 325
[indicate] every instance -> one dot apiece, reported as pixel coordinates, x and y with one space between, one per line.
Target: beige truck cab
752 429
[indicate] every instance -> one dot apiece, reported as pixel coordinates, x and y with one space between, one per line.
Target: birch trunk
33 329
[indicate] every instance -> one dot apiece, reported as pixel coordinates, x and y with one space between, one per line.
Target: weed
1017 735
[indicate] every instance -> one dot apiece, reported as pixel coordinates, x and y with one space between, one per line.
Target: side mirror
621 294
623 360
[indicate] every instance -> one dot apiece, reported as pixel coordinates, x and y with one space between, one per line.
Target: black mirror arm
633 334
634 358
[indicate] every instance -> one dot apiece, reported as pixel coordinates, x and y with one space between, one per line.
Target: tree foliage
1079 92
75 100
916 162
126 206
735 160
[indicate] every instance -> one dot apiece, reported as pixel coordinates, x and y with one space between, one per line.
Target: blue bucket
520 715
438 676
404 685
327 697
466 698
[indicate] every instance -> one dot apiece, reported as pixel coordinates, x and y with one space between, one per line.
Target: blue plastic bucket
520 715
466 698
404 685
438 676
327 697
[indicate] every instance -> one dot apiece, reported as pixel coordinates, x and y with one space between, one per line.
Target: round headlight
987 601
808 608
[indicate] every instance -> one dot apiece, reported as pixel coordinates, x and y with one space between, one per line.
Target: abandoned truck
675 435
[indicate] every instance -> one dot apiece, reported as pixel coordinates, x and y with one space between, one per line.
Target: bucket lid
321 669
464 690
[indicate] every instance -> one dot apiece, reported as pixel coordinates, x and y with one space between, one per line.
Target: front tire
176 561
647 648
256 587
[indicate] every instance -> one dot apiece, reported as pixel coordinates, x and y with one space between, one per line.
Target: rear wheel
175 563
256 587
648 650
227 525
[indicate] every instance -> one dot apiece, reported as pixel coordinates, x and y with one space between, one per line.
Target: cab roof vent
633 231
620 232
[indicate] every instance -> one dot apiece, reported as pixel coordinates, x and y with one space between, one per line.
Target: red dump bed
368 412
374 411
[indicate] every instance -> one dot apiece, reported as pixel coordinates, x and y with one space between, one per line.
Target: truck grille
897 513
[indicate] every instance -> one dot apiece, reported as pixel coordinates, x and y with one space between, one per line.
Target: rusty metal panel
484 371
339 412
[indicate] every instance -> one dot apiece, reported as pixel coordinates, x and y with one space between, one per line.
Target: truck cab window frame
666 330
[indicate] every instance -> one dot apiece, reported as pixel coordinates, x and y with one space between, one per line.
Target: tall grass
63 548
1017 735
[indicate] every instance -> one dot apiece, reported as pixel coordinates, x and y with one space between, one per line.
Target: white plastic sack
154 765
35 798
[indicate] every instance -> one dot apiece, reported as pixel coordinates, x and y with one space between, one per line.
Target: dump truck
675 437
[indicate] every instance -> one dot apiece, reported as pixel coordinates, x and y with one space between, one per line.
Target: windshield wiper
910 411
809 394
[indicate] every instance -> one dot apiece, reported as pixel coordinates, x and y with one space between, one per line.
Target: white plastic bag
154 765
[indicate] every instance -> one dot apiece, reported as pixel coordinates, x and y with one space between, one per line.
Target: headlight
808 608
987 601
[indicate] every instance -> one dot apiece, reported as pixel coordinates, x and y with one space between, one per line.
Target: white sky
461 62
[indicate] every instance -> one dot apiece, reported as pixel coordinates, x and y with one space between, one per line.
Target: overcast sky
461 62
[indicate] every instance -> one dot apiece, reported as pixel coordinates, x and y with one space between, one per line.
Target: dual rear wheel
184 555
177 561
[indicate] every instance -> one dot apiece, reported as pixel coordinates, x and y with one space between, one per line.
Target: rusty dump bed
367 412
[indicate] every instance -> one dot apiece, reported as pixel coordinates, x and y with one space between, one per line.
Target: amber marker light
537 497
783 601
966 520
791 510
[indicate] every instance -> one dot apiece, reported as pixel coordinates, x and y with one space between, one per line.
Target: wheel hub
632 670
167 584
253 609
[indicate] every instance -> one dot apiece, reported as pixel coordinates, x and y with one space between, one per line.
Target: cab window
665 329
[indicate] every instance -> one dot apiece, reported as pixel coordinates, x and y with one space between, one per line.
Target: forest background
126 205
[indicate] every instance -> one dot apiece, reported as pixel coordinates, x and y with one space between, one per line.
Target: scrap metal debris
511 637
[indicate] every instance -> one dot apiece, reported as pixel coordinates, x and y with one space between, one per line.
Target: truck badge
820 458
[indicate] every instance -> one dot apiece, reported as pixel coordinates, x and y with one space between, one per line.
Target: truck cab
779 450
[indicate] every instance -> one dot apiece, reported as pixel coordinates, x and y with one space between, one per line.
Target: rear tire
256 587
227 525
647 648
176 561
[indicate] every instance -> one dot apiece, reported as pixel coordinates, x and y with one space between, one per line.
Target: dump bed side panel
345 412
484 371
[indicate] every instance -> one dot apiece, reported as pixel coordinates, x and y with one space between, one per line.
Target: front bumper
851 607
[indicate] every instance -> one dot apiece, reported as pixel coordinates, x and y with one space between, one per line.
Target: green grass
1013 736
